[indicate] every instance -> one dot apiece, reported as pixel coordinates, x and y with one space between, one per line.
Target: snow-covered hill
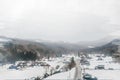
5 39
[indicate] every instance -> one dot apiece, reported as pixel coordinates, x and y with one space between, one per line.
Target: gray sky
60 20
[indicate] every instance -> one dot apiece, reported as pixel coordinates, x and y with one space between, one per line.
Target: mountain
109 49
13 49
97 43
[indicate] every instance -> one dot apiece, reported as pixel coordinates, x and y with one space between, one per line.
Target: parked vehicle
99 59
110 69
87 63
84 62
13 67
100 67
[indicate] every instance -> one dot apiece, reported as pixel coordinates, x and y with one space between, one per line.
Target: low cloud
64 20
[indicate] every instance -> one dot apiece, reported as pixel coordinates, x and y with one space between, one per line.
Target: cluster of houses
26 64
49 69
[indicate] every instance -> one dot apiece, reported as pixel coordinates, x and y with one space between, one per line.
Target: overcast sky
60 20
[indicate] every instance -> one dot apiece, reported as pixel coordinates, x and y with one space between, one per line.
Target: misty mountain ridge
18 49
110 48
99 42
12 49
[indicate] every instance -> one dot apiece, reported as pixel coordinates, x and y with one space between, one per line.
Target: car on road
89 77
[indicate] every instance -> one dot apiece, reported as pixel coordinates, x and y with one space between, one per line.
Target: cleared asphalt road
78 71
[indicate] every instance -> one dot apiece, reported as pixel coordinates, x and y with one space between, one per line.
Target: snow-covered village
70 64
59 39
67 67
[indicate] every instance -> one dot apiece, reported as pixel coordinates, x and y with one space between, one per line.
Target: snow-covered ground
107 62
29 72
105 74
6 74
69 75
100 74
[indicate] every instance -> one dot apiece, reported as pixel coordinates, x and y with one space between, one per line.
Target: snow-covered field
30 72
69 75
105 74
100 74
6 74
107 62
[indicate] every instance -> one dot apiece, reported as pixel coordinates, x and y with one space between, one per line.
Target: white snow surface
69 75
29 72
105 74
6 74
